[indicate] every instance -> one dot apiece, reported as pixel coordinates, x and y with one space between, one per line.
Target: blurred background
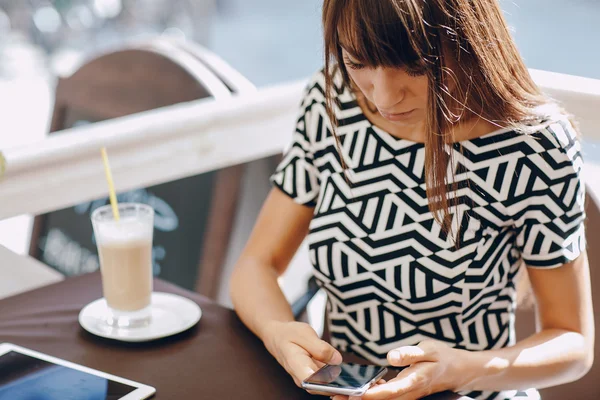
267 41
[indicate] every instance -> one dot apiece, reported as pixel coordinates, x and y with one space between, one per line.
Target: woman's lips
398 116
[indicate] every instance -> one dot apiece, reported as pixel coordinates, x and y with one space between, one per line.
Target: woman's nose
388 89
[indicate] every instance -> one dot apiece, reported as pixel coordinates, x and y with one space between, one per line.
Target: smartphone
344 379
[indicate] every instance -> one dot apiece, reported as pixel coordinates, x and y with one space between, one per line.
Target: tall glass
125 249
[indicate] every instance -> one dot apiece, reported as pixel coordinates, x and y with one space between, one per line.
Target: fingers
339 397
408 355
301 352
300 366
319 349
405 386
390 390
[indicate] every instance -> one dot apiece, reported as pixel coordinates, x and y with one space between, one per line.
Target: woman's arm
280 229
258 299
561 352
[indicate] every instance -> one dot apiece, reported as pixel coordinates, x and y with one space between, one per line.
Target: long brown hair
465 49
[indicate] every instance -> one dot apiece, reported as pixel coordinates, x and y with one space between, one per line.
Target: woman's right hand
298 349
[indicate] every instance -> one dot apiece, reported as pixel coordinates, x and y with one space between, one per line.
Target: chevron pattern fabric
392 275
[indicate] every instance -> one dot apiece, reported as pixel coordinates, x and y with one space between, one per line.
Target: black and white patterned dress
392 276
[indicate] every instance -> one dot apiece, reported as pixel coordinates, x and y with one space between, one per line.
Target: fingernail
395 356
353 398
336 359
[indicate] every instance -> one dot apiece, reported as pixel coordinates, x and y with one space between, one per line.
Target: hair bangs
376 33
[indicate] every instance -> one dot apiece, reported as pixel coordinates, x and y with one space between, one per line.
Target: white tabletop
20 273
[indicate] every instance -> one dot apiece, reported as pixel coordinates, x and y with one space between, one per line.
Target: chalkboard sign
68 244
191 215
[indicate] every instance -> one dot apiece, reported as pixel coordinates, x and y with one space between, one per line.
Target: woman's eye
353 64
415 71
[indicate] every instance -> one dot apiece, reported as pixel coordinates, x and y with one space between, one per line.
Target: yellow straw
111 185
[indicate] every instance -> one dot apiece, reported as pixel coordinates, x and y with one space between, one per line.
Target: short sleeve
297 175
550 227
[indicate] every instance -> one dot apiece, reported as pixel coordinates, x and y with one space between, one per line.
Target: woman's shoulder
553 145
314 106
315 90
555 132
547 143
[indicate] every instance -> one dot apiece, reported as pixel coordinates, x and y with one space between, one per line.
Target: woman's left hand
432 367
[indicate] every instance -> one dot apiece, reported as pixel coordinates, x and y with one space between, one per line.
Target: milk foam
125 231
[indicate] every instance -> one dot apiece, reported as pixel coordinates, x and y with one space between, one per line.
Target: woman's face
400 95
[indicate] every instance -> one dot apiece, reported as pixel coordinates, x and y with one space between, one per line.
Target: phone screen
345 375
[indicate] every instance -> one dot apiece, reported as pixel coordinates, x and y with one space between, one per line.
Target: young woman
430 175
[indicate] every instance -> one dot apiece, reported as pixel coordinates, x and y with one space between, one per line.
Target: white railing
187 139
147 149
580 96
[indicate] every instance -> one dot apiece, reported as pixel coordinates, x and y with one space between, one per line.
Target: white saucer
171 314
